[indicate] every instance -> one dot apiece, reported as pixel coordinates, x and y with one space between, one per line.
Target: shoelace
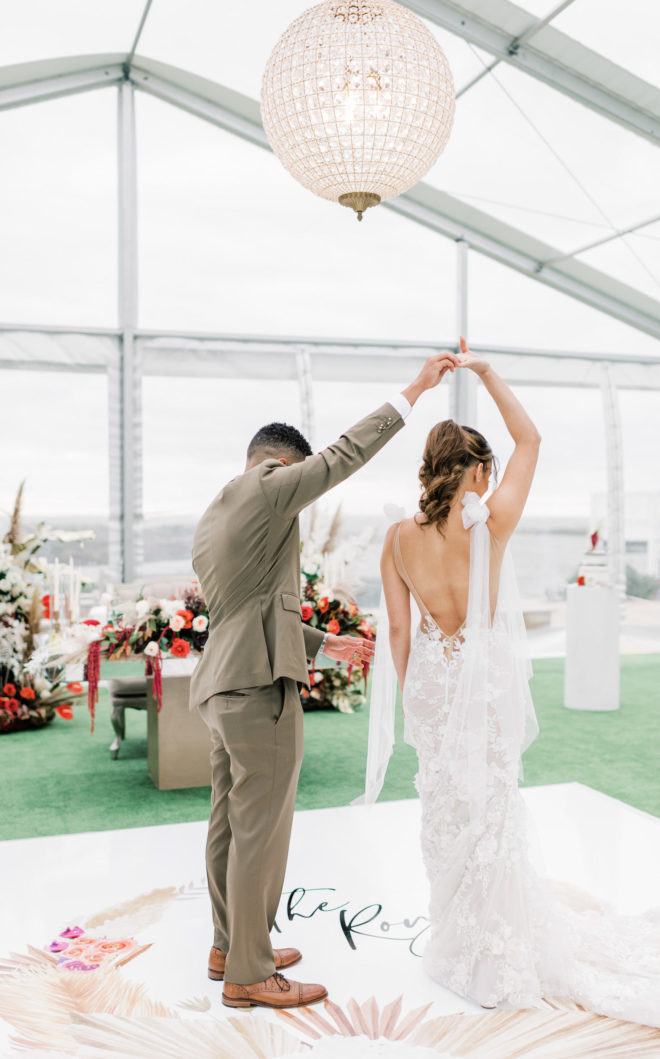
282 982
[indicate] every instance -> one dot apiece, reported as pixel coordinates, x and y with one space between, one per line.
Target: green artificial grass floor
60 779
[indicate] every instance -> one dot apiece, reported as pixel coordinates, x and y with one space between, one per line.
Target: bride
497 936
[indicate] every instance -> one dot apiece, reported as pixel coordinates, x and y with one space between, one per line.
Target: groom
246 554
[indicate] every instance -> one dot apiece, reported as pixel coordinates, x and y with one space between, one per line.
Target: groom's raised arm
290 488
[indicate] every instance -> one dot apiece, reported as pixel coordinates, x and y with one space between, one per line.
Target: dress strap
405 576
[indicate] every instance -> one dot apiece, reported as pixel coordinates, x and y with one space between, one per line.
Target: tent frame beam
540 58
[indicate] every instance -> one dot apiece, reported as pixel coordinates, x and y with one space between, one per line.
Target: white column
463 393
127 426
616 540
306 389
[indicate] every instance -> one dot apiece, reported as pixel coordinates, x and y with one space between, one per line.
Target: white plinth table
591 680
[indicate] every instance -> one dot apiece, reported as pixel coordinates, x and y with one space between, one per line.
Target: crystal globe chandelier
357 100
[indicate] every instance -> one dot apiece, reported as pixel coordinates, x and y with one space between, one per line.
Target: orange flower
334 627
27 693
353 609
75 688
187 616
9 689
324 603
179 648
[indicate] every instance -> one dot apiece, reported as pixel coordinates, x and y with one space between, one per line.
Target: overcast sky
230 242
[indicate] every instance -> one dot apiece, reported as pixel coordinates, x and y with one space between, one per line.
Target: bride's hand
350 649
468 359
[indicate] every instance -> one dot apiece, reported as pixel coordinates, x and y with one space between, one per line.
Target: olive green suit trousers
257 750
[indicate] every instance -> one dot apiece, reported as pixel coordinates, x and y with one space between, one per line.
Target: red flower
45 603
65 711
334 627
27 693
75 688
9 689
187 616
324 603
179 648
581 580
365 627
306 611
12 705
90 621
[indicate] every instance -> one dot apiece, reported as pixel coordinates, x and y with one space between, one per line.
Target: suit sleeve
313 640
290 489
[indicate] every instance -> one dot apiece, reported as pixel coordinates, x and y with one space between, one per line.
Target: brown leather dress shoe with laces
283 958
276 992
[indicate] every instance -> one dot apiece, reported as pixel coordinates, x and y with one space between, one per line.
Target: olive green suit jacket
246 554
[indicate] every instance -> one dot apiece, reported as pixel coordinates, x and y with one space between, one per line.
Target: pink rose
177 623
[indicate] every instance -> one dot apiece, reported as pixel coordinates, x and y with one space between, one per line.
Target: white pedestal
178 741
591 679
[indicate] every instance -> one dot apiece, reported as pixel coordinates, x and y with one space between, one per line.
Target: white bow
473 510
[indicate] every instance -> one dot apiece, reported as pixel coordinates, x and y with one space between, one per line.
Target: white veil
495 664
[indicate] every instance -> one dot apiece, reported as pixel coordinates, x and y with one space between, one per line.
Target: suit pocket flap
291 602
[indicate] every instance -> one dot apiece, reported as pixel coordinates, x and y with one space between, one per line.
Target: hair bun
449 450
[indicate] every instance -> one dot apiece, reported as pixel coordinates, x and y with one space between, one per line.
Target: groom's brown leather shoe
283 958
276 992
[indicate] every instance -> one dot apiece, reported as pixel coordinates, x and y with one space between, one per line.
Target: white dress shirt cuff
402 405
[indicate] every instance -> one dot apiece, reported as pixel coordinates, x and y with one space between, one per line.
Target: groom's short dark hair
280 439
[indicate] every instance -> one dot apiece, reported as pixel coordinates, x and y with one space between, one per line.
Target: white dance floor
355 893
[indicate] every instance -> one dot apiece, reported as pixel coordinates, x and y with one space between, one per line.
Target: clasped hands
351 649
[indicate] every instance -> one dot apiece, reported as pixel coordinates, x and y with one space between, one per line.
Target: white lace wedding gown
497 935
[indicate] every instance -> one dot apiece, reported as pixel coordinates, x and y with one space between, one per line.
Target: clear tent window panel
640 412
59 231
230 242
223 415
509 308
44 29
605 177
62 455
627 34
572 471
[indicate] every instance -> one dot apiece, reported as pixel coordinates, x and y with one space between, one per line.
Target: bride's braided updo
448 451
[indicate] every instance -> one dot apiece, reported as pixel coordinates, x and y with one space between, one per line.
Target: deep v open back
402 571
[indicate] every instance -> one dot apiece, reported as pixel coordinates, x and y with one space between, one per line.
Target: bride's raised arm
507 502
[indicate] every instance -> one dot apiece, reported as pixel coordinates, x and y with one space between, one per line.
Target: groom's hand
351 649
433 371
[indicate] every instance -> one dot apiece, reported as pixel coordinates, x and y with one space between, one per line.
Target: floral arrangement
75 950
154 628
29 696
336 612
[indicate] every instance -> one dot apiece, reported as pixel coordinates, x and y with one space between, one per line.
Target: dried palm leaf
557 1031
13 534
333 533
100 1036
37 999
133 915
34 622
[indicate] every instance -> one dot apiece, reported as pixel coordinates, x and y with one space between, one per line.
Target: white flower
177 623
105 599
200 623
41 685
152 649
169 607
4 585
87 633
142 607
